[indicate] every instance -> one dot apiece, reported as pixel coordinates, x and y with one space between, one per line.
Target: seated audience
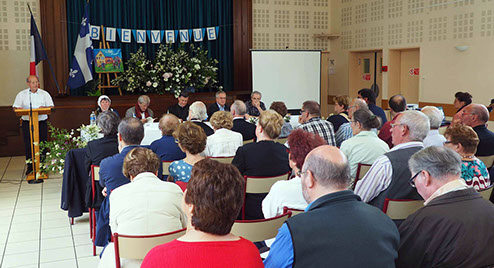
130 135
192 141
219 105
240 125
263 158
364 147
197 115
289 193
369 97
280 108
463 140
337 229
104 103
213 199
340 115
166 148
454 228
99 149
462 99
345 131
141 110
397 104
310 120
145 206
435 119
255 106
476 116
223 142
387 177
181 108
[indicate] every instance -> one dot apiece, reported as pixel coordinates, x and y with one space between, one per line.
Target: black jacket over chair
96 151
245 128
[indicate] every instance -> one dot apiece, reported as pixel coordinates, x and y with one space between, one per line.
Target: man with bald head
345 130
36 98
343 231
476 116
166 148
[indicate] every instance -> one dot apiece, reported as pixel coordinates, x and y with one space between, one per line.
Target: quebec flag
82 64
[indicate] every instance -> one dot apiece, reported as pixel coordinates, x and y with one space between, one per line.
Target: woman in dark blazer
263 158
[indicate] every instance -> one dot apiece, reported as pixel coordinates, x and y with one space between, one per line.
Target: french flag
38 52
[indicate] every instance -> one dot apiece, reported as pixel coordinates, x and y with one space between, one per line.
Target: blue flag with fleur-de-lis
81 69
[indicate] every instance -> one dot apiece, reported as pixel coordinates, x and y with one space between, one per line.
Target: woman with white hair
104 103
435 118
141 110
198 114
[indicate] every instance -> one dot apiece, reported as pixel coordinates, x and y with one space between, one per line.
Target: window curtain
159 15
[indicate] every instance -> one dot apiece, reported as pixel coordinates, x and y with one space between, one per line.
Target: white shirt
379 176
145 206
284 194
434 139
223 143
38 99
364 148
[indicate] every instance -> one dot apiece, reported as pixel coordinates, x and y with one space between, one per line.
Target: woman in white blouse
364 147
224 142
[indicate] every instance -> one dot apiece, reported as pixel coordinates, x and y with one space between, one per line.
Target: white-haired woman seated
145 206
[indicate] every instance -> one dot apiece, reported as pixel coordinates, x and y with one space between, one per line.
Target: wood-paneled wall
72 112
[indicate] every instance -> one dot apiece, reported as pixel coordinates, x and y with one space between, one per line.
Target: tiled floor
34 231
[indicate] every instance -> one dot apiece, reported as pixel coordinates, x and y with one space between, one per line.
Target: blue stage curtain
159 15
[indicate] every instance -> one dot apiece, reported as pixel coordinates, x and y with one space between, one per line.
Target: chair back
487 192
281 140
488 160
259 230
361 171
95 173
262 185
137 246
224 160
248 141
294 211
399 209
166 165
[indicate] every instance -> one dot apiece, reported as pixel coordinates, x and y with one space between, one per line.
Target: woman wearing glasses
364 147
463 140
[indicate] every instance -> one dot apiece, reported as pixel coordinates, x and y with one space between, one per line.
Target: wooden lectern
35 137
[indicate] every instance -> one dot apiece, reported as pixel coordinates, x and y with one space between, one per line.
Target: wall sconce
462 48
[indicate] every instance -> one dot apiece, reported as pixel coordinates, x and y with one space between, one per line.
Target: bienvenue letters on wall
155 36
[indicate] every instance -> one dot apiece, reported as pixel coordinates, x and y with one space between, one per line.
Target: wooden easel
106 83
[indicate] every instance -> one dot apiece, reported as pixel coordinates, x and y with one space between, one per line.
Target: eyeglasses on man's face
395 125
411 181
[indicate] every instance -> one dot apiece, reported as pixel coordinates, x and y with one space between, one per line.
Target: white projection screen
291 76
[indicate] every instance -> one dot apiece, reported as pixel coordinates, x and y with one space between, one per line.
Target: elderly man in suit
241 126
130 135
219 105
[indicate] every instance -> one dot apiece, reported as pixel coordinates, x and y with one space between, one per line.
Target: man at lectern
36 98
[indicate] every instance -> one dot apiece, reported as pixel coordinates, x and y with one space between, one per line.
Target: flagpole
48 59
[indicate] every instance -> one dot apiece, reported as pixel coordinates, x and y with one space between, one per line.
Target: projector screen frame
293 111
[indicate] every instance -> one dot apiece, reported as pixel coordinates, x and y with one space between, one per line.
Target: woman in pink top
212 201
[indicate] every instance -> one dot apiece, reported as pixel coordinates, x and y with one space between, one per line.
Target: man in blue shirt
370 98
337 228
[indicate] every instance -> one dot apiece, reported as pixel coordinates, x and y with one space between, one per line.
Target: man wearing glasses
454 228
476 116
388 176
219 105
310 121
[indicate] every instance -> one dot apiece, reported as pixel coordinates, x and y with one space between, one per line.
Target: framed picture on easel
108 60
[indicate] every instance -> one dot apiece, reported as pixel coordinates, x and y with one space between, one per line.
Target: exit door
365 72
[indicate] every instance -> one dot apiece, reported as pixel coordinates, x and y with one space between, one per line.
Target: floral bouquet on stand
61 141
